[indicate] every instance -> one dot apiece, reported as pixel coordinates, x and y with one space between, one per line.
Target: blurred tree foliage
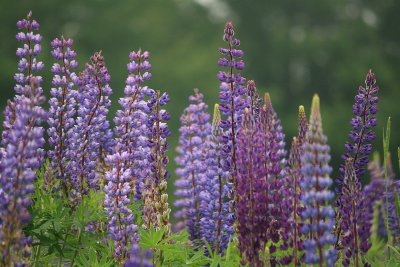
292 49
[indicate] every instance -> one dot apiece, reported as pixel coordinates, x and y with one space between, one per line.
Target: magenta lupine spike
121 225
296 178
22 157
130 121
155 198
62 107
216 219
318 215
191 159
232 102
354 237
251 190
91 135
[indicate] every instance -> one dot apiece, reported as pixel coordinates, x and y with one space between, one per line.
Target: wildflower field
77 189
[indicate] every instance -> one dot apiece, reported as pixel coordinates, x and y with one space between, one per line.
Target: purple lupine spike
155 198
251 190
216 219
254 99
121 225
362 134
318 215
232 103
191 158
28 65
130 121
91 136
279 207
138 258
355 238
296 177
23 156
62 107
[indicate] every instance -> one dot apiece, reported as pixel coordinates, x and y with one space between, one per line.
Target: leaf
397 203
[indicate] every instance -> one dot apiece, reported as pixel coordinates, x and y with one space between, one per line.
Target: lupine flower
130 121
296 176
361 135
318 216
363 123
121 225
251 190
393 215
216 219
232 102
255 102
23 156
279 208
138 258
355 233
62 107
90 136
28 65
155 198
191 158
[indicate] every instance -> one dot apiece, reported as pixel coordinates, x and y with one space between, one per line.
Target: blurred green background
293 49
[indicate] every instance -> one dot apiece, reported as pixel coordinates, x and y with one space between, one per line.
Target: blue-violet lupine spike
23 156
233 101
130 121
194 130
363 123
138 258
393 216
91 135
216 219
62 107
318 215
355 235
121 225
28 65
251 190
156 210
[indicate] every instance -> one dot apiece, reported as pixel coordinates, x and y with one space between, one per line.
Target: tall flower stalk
232 103
251 190
318 215
90 137
121 225
130 121
62 107
216 219
191 158
155 198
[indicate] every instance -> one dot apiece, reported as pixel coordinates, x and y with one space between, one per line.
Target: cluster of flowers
236 178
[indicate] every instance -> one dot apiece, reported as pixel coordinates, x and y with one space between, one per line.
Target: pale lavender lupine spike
191 159
91 136
62 107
